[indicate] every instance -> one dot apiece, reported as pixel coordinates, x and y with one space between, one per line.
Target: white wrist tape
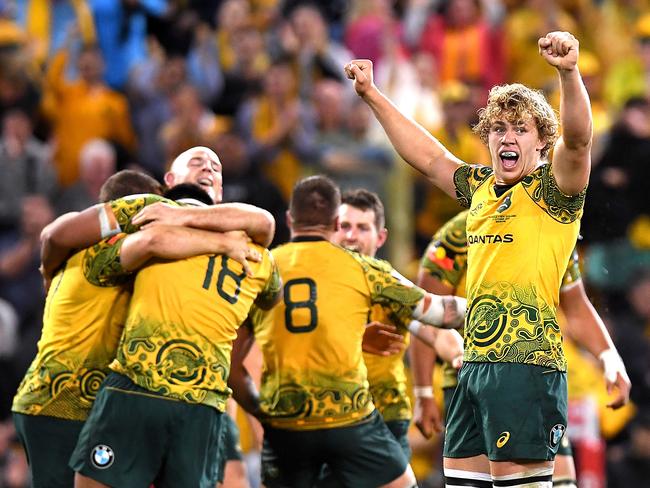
414 327
430 310
612 364
423 391
107 223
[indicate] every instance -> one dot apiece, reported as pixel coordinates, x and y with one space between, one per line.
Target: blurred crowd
89 87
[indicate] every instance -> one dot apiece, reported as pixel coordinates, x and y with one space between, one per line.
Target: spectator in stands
466 41
82 110
121 34
191 124
48 24
242 182
25 166
97 162
344 151
278 128
316 56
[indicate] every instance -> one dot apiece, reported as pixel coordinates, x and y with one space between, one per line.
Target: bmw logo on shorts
102 456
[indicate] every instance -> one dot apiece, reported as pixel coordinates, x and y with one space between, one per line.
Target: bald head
199 165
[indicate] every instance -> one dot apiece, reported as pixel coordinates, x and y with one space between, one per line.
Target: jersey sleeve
124 209
389 289
467 178
543 190
446 255
101 262
269 295
572 273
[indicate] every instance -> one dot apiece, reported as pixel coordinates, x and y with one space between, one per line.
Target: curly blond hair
516 102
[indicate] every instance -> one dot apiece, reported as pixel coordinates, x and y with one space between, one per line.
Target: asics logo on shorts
102 456
503 439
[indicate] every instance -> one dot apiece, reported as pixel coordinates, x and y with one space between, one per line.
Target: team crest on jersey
506 204
102 456
556 434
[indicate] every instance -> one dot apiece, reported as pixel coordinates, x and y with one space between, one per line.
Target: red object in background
588 446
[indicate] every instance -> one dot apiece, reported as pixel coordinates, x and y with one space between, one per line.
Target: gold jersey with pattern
182 320
83 319
84 315
313 374
519 244
387 375
446 259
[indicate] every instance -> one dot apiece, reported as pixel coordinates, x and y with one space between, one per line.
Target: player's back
82 323
314 376
182 320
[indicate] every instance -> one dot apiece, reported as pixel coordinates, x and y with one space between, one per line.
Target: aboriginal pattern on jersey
467 178
273 287
101 264
387 376
125 209
446 255
510 323
326 398
543 190
166 359
388 288
81 330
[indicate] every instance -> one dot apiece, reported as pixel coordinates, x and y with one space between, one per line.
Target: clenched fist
559 49
360 70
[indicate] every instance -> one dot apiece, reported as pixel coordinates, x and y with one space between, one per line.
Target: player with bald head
199 165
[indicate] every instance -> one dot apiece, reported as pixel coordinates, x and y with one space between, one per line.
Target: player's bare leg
472 471
564 474
533 474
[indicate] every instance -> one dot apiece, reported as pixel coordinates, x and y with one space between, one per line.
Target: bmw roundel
102 456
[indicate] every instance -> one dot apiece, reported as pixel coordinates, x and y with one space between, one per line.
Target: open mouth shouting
509 159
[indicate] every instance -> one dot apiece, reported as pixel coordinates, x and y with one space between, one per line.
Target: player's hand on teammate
454 312
158 213
239 249
360 70
382 339
427 417
559 49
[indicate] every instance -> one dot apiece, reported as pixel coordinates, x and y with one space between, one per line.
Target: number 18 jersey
181 323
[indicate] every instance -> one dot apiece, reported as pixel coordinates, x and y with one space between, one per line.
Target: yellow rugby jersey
83 319
446 259
313 375
519 245
387 376
182 320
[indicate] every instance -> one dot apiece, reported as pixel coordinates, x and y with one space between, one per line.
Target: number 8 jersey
313 375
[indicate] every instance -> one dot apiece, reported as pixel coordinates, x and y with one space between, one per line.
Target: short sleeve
446 255
101 263
467 178
124 209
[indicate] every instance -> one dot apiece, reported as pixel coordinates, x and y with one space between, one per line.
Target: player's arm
256 222
273 292
587 329
74 230
240 381
174 242
427 416
571 159
411 141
